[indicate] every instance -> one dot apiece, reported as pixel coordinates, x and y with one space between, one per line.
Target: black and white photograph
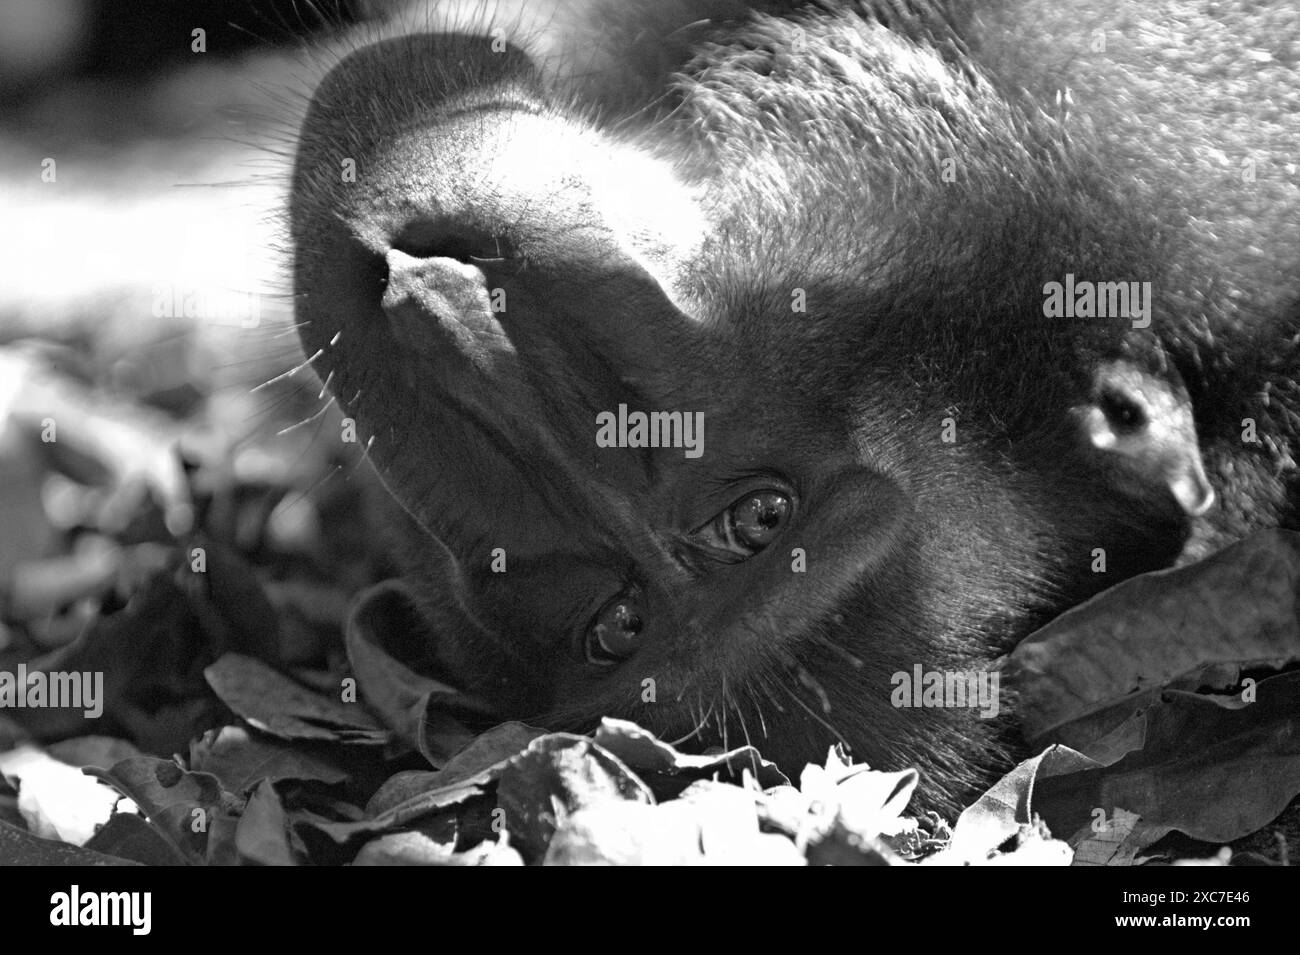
651 433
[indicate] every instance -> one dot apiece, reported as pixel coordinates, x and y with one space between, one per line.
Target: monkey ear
1139 425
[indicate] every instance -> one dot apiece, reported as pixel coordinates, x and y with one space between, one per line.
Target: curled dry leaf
172 799
1211 772
263 834
554 778
273 703
409 797
417 848
1010 804
710 824
420 710
480 762
643 751
241 760
1240 606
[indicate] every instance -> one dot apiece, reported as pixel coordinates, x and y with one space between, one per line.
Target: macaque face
717 404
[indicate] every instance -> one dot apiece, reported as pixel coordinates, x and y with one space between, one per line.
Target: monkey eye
747 526
1124 414
612 635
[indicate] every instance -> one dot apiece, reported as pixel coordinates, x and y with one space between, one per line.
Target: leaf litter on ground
313 732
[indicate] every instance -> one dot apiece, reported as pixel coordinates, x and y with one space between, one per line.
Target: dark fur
812 135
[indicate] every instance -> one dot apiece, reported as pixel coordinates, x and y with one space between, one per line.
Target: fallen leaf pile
258 704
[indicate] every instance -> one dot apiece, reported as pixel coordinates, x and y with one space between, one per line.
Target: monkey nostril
442 238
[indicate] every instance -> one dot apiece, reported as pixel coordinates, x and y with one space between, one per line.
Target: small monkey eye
758 518
1124 414
613 632
747 526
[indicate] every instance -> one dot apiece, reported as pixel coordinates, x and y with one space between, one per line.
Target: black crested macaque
959 295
